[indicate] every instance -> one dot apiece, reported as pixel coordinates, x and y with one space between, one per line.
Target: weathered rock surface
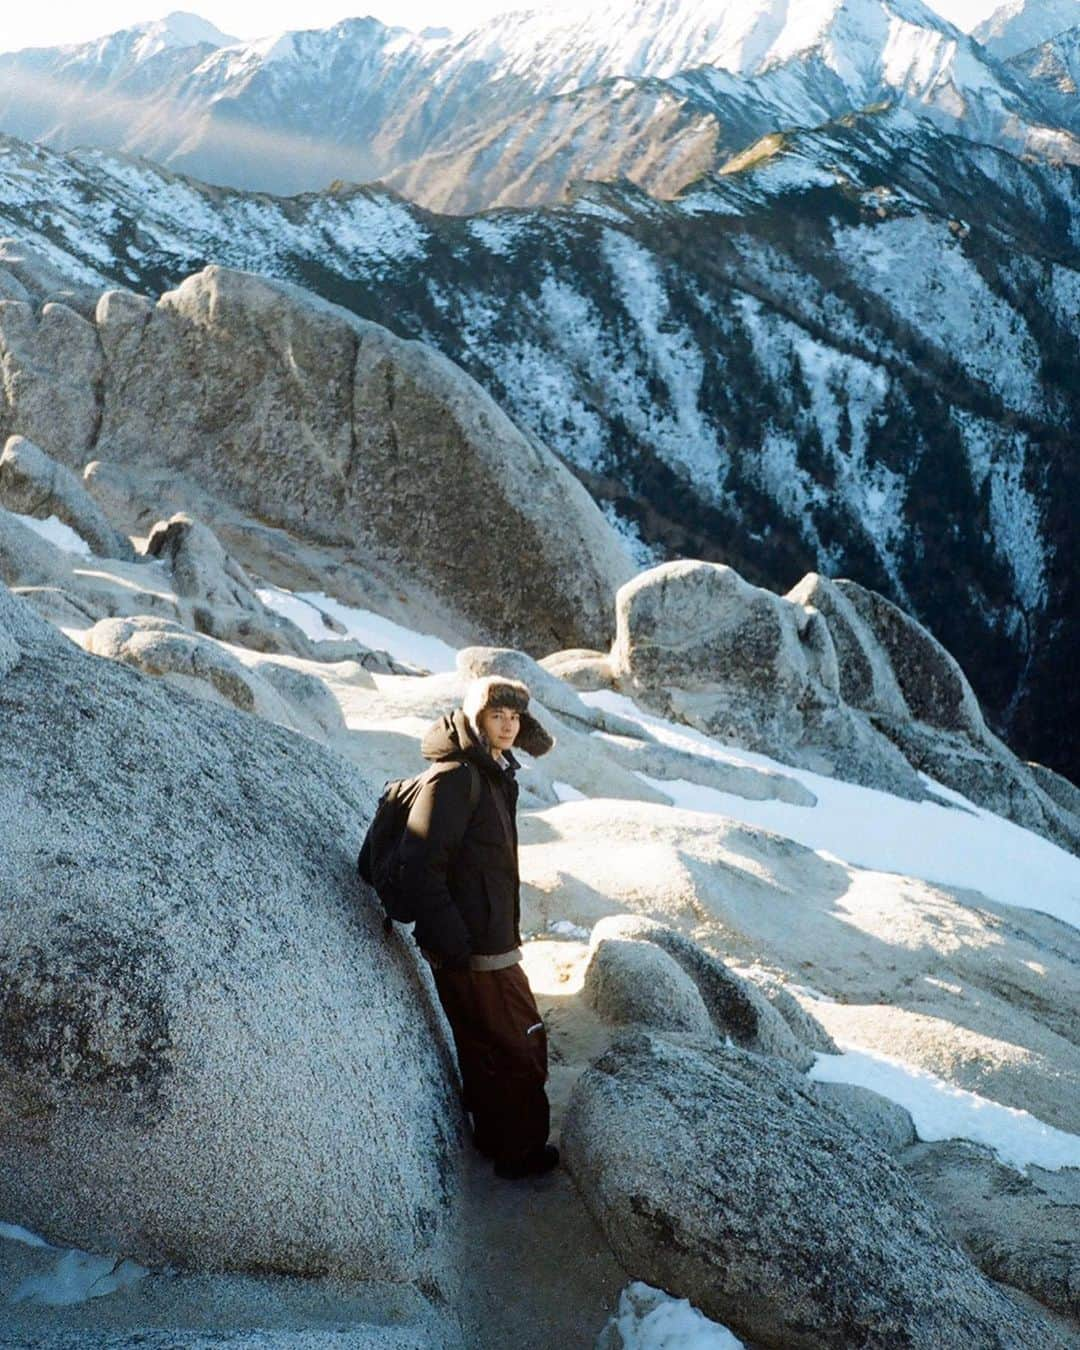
304 415
33 484
831 677
699 643
937 724
734 1007
1023 1230
305 693
216 590
205 1042
636 982
161 647
869 1114
50 370
716 1177
581 667
804 1025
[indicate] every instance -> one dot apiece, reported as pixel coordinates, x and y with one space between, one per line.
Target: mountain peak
175 31
1018 25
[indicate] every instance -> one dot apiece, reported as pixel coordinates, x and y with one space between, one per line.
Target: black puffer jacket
461 868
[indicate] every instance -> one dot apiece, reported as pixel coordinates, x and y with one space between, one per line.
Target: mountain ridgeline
513 112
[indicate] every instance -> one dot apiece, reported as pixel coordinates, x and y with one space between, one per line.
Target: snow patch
648 1319
75 1277
941 1111
306 610
57 533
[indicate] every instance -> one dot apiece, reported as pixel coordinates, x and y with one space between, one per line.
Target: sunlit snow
306 609
59 534
942 1111
960 845
648 1319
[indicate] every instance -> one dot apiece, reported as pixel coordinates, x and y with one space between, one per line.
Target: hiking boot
532 1165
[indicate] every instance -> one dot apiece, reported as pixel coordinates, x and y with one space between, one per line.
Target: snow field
954 844
306 610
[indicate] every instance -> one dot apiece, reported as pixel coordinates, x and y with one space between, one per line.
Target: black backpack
379 862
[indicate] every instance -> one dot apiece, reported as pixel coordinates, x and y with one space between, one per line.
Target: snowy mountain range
516 111
753 373
1019 25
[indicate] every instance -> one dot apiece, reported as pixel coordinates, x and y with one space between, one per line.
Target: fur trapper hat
496 691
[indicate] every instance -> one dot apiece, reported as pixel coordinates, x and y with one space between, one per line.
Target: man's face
500 726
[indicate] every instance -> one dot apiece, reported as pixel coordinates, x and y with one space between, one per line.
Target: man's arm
434 831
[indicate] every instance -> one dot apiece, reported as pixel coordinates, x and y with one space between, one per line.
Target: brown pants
502 1050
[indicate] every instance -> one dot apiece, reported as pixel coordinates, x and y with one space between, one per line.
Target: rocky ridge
760 394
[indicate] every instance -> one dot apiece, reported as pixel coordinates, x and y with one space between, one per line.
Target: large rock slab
934 688
697 642
1022 1229
50 370
329 425
33 484
715 1177
217 595
209 1055
893 669
628 981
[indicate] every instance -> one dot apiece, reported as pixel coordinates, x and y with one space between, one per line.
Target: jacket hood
453 737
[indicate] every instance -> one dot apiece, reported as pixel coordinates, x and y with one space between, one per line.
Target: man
460 866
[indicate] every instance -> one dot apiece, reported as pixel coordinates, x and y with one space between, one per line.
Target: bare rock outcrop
895 671
33 484
216 594
315 420
715 1176
623 983
206 1044
1023 1230
832 678
51 366
627 981
699 643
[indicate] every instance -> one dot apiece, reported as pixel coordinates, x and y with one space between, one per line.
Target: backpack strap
474 787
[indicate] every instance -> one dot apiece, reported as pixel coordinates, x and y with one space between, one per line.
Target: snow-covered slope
1053 69
735 375
360 100
1018 25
